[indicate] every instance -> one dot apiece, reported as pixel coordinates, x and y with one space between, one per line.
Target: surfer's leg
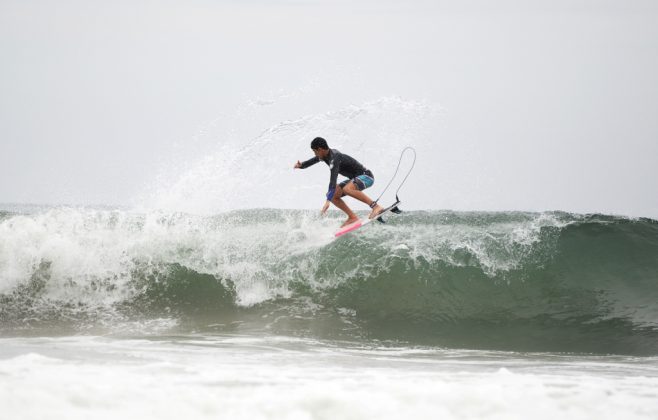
338 202
352 190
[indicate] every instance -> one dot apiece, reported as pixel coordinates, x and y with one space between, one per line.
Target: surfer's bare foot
349 221
375 211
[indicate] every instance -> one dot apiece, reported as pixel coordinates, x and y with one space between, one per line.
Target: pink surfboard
353 226
360 223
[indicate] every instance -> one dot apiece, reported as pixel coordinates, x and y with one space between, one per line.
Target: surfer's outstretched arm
306 163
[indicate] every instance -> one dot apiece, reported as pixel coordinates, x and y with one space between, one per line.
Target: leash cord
395 174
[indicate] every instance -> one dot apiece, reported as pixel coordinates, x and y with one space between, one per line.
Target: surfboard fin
381 220
396 210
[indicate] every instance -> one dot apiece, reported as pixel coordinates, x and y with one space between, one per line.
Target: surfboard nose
348 228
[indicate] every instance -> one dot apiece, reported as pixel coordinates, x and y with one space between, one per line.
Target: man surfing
358 179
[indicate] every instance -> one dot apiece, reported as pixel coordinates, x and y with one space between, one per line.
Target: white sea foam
91 256
493 246
263 378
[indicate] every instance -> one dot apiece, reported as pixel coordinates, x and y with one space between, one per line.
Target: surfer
358 179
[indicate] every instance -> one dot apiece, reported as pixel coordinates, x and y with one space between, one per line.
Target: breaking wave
507 280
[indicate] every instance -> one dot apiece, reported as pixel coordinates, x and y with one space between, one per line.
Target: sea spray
255 170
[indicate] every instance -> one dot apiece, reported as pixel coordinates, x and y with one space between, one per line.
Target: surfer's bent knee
338 194
348 188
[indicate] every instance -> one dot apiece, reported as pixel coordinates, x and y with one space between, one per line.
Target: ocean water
108 312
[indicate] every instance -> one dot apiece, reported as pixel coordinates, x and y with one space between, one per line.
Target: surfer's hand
297 165
325 208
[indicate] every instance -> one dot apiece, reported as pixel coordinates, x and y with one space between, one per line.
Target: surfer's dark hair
319 143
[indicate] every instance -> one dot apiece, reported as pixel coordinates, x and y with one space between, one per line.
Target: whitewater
188 304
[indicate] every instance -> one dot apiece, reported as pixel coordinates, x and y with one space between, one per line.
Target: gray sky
544 105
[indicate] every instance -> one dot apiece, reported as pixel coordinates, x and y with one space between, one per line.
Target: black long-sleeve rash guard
339 163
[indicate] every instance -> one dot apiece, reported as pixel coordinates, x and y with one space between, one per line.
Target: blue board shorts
361 182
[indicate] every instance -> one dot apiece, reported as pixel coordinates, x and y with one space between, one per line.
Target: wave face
508 280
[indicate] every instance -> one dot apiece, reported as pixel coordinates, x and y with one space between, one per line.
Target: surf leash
395 209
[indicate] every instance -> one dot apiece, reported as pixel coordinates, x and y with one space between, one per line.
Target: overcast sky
512 105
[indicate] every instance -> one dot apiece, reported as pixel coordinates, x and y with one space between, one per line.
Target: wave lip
507 280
